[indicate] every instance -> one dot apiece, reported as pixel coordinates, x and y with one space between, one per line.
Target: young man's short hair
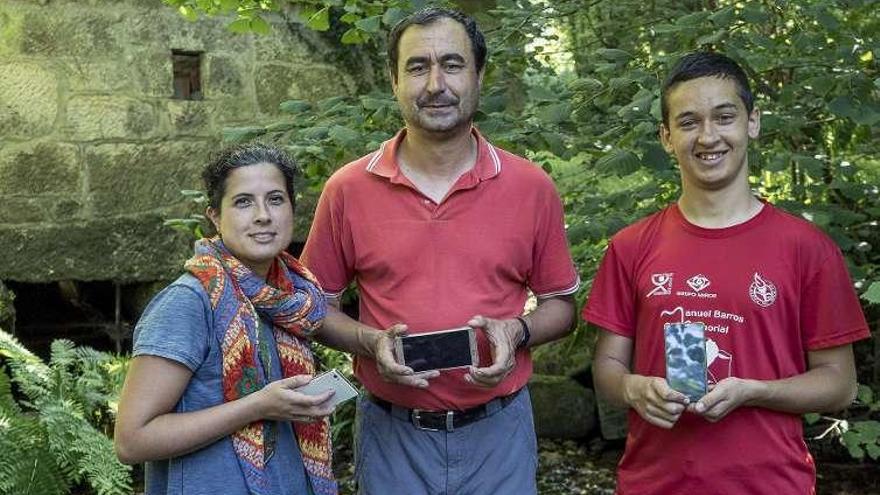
706 64
428 16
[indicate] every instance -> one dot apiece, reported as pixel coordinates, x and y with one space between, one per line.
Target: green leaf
352 37
872 295
851 440
555 113
619 162
188 13
812 166
241 25
320 20
295 106
392 16
614 55
754 13
585 84
710 39
343 135
812 418
259 25
723 17
369 24
860 112
228 5
240 134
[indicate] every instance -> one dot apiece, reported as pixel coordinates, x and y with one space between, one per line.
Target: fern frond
32 376
7 401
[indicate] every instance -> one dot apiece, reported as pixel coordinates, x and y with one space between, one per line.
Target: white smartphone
330 380
440 350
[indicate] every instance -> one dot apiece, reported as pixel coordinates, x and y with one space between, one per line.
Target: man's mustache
431 102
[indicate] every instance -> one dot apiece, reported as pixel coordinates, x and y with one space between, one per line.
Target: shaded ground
575 468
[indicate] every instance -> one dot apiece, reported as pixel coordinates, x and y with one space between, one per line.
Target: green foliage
55 436
575 87
363 19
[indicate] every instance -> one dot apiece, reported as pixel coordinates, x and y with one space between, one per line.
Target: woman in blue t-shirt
210 402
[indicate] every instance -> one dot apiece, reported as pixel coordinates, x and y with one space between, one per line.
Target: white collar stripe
494 155
373 161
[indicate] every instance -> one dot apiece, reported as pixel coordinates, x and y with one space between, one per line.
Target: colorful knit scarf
294 302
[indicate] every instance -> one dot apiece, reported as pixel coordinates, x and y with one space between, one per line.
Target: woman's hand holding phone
279 401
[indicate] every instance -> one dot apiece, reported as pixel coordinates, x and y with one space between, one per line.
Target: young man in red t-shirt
779 310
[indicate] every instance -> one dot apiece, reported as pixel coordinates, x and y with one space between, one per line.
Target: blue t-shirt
178 325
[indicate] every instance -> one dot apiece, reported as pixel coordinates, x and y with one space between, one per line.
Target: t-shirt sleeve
553 272
175 325
610 304
830 311
329 247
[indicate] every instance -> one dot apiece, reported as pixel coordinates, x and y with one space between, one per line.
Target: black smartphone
439 350
686 358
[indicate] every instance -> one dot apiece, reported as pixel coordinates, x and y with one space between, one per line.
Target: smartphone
686 358
439 350
330 380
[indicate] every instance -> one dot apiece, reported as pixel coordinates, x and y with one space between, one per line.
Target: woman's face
255 219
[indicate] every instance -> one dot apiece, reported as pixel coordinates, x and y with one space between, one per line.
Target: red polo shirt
498 232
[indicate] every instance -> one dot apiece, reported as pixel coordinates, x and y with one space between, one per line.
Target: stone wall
93 148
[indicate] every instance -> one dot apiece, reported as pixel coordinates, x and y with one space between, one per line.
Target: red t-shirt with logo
768 291
498 233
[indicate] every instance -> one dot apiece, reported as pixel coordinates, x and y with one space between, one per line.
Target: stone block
562 407
130 178
40 208
289 42
28 100
91 118
567 357
126 249
99 77
164 27
69 30
612 420
151 70
11 26
276 83
39 168
225 76
190 118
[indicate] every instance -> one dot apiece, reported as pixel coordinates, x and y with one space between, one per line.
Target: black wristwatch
527 334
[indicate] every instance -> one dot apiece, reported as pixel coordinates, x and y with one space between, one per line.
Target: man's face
437 84
708 132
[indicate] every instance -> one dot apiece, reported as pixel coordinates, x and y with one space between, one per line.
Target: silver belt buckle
416 421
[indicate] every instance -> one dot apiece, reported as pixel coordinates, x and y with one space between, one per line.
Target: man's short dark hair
706 64
428 16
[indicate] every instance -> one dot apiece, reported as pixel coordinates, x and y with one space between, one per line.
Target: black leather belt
445 420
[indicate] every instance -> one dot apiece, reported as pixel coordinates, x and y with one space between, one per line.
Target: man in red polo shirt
441 229
779 310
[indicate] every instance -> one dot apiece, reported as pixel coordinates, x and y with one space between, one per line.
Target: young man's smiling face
708 132
437 84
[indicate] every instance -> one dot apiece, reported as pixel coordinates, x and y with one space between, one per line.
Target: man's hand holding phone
503 336
390 369
654 400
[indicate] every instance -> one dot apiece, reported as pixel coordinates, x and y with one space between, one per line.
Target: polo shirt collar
384 161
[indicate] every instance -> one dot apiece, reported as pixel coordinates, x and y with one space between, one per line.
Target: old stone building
108 109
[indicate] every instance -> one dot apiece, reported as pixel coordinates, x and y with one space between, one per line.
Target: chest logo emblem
662 284
762 291
699 282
